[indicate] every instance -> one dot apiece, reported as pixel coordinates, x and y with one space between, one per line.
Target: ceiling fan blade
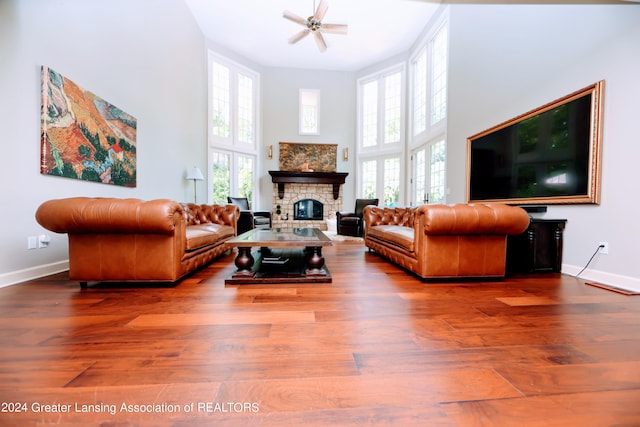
293 17
335 28
298 36
322 9
320 41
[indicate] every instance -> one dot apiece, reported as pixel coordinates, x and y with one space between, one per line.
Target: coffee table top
281 237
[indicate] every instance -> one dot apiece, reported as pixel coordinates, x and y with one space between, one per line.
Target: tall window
429 82
428 91
221 171
420 92
428 164
392 108
437 159
380 179
439 54
419 179
391 181
370 114
381 133
233 105
221 107
369 179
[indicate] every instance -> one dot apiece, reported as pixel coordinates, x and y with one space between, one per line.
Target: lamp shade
195 173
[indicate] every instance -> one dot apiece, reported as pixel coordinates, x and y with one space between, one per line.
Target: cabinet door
538 249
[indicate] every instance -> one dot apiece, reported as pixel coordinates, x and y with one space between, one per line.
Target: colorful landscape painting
83 136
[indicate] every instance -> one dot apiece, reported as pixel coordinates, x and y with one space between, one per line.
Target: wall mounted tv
550 155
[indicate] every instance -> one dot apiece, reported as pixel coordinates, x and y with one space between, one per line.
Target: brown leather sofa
134 240
445 241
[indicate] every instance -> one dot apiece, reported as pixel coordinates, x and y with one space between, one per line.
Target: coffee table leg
315 260
244 262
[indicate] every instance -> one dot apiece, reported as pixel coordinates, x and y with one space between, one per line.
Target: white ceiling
378 29
255 29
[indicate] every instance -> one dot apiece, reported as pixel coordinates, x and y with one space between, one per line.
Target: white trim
623 282
19 276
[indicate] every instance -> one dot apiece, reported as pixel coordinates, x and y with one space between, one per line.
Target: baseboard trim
631 284
19 276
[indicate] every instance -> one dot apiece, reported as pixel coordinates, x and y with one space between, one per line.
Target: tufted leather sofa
134 240
445 241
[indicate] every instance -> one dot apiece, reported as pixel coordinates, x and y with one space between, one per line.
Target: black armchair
249 219
350 223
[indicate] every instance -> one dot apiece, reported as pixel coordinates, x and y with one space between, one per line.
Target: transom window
309 120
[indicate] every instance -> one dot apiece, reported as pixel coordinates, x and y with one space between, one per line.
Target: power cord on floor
590 259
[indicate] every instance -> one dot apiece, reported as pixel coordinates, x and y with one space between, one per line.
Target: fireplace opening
309 209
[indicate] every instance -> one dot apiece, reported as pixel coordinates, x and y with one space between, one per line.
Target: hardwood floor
375 347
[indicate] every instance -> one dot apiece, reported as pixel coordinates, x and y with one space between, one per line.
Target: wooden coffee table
280 255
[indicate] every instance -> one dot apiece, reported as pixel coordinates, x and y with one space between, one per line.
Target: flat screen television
550 155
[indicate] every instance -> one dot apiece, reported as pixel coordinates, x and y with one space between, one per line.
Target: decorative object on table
305 167
313 157
195 174
83 136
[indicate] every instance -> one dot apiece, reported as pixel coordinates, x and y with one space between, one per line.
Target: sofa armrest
109 215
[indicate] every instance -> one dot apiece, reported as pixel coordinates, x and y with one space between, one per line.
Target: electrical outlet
603 248
43 241
32 242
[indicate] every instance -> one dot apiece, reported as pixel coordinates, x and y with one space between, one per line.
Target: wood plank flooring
375 347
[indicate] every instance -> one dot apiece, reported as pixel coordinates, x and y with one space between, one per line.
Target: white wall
153 67
280 88
507 60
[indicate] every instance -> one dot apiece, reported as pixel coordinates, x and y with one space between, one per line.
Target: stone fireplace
302 189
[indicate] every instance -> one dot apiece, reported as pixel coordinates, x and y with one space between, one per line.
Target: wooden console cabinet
538 249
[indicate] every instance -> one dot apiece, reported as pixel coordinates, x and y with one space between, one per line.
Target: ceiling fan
313 24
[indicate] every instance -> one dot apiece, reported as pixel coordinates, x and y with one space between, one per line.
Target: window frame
381 150
232 145
425 46
381 146
433 132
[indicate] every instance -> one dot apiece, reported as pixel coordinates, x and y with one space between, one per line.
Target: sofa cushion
394 234
207 234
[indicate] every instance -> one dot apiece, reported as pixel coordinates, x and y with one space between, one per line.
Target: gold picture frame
550 155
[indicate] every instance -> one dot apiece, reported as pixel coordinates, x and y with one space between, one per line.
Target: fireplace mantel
283 177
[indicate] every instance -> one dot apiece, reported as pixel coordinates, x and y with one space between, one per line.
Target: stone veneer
294 192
